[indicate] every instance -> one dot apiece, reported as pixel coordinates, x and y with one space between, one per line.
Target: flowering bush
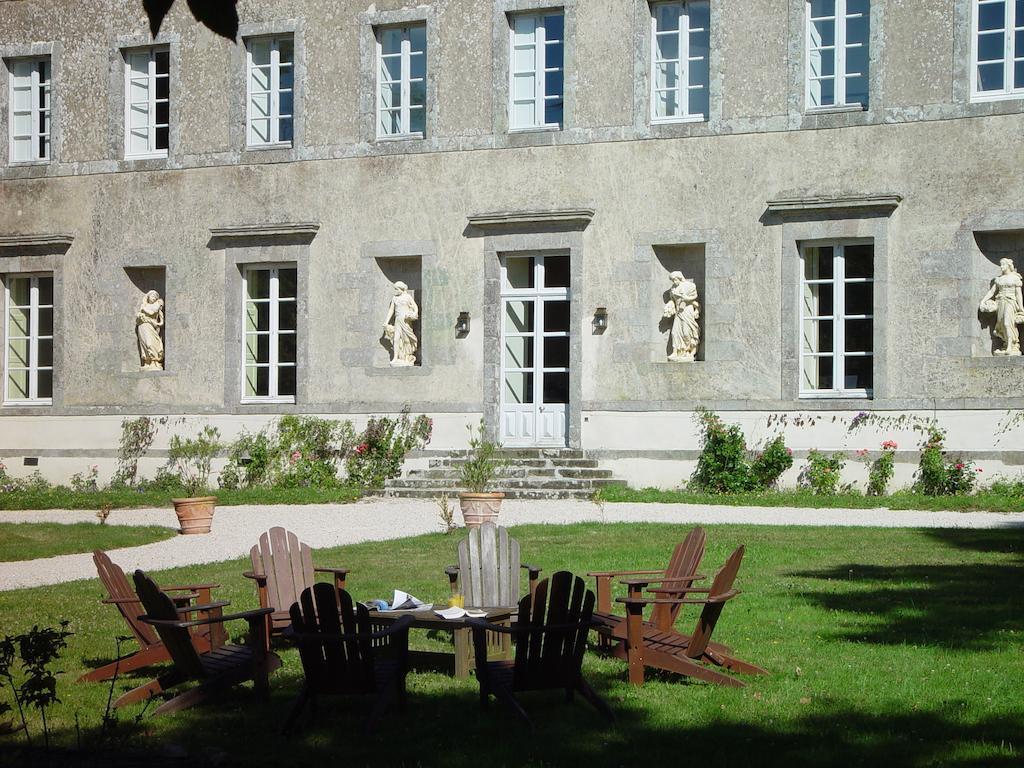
382 447
821 474
723 466
936 476
86 481
881 470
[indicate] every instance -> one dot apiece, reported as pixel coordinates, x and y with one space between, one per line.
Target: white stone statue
684 309
1004 299
403 340
148 322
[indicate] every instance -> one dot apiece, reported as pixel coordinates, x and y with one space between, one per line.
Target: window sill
267 401
393 137
156 156
983 98
536 129
262 147
835 109
678 120
853 394
26 403
27 163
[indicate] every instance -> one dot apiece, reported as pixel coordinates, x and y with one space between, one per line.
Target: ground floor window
269 311
28 339
837 319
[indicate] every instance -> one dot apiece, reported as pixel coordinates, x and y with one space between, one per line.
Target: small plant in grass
480 469
37 649
104 513
192 458
938 477
723 466
881 470
381 448
821 474
447 514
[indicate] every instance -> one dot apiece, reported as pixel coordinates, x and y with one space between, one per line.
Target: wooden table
462 637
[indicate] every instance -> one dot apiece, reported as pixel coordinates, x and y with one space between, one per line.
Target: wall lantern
462 324
600 319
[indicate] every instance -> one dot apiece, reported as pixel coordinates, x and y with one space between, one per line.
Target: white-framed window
269 338
536 70
270 90
402 81
28 339
837 319
29 100
147 102
997 49
680 47
837 53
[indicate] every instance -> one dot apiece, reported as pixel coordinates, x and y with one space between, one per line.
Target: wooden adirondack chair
550 635
488 577
643 644
342 654
282 566
151 650
218 669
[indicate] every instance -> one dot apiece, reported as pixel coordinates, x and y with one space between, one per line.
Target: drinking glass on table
456 601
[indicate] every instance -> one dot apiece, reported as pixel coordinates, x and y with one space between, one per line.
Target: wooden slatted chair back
489 567
684 562
113 579
333 665
550 654
712 610
287 564
177 640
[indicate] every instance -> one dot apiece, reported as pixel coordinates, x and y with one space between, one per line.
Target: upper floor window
146 102
837 53
679 60
28 339
998 49
402 80
536 71
837 319
30 109
269 90
269 310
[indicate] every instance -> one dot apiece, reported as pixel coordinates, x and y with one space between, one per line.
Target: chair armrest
624 573
533 569
189 588
484 625
645 582
199 608
342 571
259 577
401 625
120 600
256 613
451 570
681 601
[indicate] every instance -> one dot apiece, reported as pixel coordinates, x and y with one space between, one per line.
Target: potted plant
476 475
191 459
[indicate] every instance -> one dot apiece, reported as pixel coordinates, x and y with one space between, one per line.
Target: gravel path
235 529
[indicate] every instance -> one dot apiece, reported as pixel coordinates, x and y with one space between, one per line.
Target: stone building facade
538 169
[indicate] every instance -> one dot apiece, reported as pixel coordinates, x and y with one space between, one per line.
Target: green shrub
881 470
381 448
480 469
723 466
821 474
86 481
938 477
137 436
192 457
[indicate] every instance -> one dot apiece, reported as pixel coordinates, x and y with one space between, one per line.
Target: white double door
535 339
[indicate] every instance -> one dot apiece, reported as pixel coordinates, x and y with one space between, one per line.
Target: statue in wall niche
684 309
148 324
404 312
1004 299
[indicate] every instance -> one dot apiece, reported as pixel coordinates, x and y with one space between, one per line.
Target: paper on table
403 601
457 613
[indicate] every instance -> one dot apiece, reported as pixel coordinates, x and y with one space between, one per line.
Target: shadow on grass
451 730
962 606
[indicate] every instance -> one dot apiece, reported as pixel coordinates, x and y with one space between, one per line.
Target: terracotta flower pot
195 515
478 508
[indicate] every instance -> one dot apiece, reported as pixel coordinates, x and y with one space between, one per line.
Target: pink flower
959 466
789 451
862 452
296 456
889 445
362 448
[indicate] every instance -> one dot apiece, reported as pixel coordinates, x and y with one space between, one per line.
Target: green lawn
984 500
59 497
27 541
886 647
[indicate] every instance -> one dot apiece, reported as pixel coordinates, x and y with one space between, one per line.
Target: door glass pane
258 381
260 51
519 388
859 335
17 353
519 272
45 353
519 352
251 349
286 381
858 374
556 352
286 348
19 290
257 316
44 384
556 316
817 336
818 263
18 321
817 300
519 316
17 385
817 372
859 299
46 322
556 272
286 315
258 283
556 387
860 260
991 16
